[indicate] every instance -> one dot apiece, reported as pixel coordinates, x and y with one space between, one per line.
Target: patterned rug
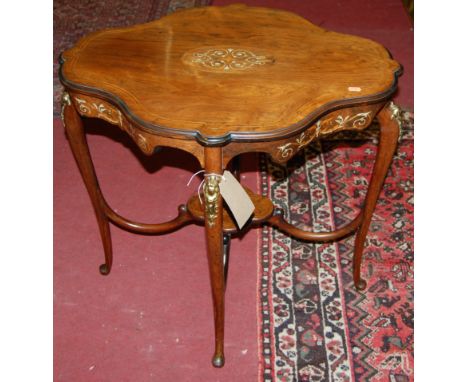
75 19
315 326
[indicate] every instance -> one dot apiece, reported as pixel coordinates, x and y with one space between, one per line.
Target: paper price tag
236 198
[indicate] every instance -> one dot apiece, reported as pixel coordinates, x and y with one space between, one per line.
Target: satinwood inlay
328 125
91 107
226 60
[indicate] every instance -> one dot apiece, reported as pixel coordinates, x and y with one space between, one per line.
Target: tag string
193 176
202 182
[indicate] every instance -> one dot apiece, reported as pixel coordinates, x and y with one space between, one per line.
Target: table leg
389 132
214 239
235 169
226 251
79 146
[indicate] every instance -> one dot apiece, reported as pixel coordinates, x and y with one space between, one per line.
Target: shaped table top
229 73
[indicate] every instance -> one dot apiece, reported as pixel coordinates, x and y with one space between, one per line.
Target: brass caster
218 361
361 285
104 269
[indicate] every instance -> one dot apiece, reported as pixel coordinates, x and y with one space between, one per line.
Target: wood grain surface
233 73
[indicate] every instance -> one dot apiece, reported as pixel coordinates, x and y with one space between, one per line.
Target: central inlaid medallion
226 60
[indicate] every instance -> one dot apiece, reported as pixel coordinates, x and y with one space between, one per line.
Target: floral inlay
327 126
90 108
226 59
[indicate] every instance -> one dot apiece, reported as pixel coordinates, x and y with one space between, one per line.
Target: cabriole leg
226 251
235 168
389 132
79 146
214 239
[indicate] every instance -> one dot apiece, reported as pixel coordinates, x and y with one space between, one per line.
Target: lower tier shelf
263 211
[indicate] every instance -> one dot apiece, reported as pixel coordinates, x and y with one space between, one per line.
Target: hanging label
236 198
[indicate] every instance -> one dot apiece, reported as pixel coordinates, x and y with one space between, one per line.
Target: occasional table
218 82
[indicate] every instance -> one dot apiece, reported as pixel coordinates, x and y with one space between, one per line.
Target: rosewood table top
231 73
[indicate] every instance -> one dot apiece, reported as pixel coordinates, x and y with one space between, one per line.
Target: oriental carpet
314 325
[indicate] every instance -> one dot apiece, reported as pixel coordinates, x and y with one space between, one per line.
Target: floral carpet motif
315 326
75 19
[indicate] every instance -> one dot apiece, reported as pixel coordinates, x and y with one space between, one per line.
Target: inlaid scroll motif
99 110
226 60
103 110
323 127
211 194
